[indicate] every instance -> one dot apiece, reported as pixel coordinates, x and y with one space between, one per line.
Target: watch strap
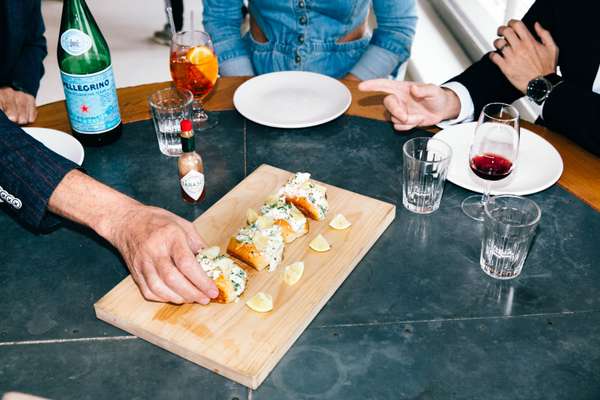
554 79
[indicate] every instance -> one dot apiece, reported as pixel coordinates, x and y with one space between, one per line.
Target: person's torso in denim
304 34
307 39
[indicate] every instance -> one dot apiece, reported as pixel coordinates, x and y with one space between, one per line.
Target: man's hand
521 57
415 104
18 106
158 247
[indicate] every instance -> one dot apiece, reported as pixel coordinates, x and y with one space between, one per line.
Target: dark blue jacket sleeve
29 173
29 67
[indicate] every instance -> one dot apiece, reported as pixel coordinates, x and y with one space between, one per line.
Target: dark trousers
177 7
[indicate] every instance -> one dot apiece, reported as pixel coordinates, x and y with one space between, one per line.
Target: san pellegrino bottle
87 76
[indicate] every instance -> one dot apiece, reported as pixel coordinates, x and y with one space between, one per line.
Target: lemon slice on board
339 222
293 273
260 302
319 244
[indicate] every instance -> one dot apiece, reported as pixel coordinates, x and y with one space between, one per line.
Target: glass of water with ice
510 223
425 167
168 108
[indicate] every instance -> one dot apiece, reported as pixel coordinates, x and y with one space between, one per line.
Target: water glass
168 108
510 223
424 172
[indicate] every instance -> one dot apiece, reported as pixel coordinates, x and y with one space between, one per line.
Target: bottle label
92 102
75 42
193 184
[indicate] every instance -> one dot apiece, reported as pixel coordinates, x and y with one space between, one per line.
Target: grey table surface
417 319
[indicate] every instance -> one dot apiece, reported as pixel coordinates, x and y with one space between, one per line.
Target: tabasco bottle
191 168
87 76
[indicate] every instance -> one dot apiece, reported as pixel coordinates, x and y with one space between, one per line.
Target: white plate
538 165
59 142
292 99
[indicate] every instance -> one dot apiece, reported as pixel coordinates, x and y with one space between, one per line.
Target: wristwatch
538 89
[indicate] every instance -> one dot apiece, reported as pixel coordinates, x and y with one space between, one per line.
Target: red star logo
84 108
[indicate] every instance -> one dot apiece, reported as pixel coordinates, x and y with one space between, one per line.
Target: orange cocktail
195 69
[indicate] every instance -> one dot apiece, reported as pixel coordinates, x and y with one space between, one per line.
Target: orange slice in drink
205 60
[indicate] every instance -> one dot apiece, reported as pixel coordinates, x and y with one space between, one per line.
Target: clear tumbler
169 107
425 167
509 227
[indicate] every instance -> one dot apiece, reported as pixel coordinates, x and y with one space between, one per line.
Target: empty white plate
538 165
292 99
59 142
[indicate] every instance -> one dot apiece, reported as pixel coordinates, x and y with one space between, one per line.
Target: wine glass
194 67
493 151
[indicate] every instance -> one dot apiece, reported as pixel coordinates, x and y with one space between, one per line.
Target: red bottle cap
186 125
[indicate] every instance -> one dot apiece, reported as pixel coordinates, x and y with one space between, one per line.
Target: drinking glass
168 108
493 152
425 167
194 67
509 227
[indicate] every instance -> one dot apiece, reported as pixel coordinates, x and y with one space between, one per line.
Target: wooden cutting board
230 339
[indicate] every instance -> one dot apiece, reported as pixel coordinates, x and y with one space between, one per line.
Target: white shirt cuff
467 109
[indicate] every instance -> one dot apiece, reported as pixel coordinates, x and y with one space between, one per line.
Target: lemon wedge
211 252
251 215
260 302
293 273
319 244
205 61
339 222
199 54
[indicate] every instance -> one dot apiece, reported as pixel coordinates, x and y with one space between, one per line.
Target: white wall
436 55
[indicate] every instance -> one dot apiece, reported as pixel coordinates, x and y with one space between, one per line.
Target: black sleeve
29 67
485 81
575 113
29 173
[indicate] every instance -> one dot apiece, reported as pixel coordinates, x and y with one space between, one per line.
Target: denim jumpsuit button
301 38
302 20
301 4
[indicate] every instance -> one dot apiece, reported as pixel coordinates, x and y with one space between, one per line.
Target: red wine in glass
493 152
491 167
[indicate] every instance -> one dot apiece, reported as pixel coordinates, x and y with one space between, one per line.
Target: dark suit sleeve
575 113
485 81
29 173
29 67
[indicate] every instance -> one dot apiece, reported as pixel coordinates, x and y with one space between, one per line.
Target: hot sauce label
193 184
92 102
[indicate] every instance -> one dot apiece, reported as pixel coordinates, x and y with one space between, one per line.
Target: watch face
538 89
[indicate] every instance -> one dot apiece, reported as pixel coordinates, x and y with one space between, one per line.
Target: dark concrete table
417 319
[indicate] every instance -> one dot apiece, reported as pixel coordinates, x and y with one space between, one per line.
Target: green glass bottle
87 76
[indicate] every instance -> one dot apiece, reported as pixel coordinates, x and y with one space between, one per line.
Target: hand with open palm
415 104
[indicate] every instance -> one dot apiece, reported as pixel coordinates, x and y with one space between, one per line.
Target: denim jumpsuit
302 35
